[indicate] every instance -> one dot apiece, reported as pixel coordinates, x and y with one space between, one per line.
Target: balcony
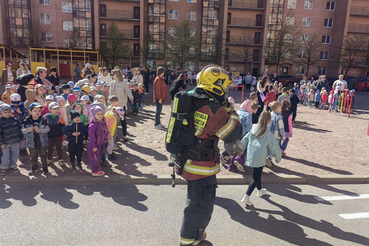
358 28
244 22
128 34
119 15
242 41
246 4
360 11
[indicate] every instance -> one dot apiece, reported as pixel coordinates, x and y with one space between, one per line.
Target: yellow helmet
213 78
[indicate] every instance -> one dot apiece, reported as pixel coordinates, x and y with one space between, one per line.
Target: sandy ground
322 144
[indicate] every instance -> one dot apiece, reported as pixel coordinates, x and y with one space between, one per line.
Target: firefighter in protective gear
215 120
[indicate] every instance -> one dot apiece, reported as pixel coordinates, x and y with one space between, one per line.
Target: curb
167 180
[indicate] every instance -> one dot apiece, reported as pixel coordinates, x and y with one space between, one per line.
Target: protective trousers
198 211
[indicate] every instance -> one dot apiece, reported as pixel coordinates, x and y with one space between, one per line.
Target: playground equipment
342 101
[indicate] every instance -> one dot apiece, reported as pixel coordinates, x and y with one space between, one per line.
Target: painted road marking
337 198
354 216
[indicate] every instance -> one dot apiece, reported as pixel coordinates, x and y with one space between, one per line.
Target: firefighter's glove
230 109
235 148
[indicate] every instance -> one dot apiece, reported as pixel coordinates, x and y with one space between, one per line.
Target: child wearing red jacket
324 100
270 97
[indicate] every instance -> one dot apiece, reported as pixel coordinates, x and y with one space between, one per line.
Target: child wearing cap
77 92
76 132
85 100
35 129
98 87
45 110
56 124
93 91
106 91
65 91
96 140
86 92
71 101
40 95
10 137
19 110
5 97
100 99
79 108
14 88
63 111
71 84
51 91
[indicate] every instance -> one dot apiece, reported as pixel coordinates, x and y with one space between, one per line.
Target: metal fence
235 21
359 10
119 14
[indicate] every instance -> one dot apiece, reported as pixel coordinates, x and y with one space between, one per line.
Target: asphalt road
51 214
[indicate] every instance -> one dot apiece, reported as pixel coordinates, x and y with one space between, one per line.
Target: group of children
48 120
310 97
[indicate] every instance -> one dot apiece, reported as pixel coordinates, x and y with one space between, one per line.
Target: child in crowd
246 122
136 99
106 91
258 143
65 91
85 100
71 84
35 128
287 122
294 100
284 95
76 132
19 110
83 118
40 95
93 91
317 98
56 124
311 97
15 88
111 122
141 92
5 97
296 87
276 126
10 137
301 94
51 91
71 101
270 97
63 111
113 101
324 100
45 110
100 99
96 140
77 92
98 86
86 91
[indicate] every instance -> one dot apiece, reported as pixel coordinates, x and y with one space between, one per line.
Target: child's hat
4 107
49 97
39 85
8 86
34 105
70 83
65 86
85 98
72 98
106 84
98 83
53 105
317 90
76 89
74 114
86 89
59 99
15 97
95 109
93 88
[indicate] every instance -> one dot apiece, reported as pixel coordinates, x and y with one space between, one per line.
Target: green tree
117 46
181 44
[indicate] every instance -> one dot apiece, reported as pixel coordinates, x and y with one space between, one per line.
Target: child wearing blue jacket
259 142
317 98
76 132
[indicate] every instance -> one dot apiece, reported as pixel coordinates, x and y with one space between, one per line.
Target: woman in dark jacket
177 84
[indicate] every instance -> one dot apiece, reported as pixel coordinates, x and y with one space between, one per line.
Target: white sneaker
162 125
159 127
261 192
65 143
239 166
246 199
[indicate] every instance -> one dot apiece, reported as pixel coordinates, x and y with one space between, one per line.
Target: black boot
112 157
46 170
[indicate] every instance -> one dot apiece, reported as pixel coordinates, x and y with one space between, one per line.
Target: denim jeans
10 156
159 107
284 144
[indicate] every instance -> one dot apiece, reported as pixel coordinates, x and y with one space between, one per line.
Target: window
67 7
331 6
306 21
322 70
304 38
191 1
300 70
46 36
173 15
192 50
290 21
172 65
328 23
191 15
103 30
192 32
44 2
136 49
309 5
324 55
151 63
257 37
288 38
255 55
302 54
171 31
291 4
67 25
66 42
326 39
45 19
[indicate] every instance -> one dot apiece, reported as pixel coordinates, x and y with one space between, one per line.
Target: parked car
285 79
